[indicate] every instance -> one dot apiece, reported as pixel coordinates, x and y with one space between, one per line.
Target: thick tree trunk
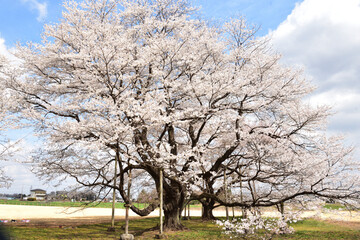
208 206
173 203
172 219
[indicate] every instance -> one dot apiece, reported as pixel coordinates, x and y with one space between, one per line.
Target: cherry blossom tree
147 85
284 151
5 147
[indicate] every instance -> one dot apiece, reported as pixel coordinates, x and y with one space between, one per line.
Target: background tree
85 195
147 84
147 196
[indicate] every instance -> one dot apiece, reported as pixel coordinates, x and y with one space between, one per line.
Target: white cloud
8 53
3 49
324 37
40 7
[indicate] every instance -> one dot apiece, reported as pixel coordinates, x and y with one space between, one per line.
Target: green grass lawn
308 229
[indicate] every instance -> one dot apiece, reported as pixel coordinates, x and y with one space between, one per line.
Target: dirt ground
32 212
352 225
71 217
64 222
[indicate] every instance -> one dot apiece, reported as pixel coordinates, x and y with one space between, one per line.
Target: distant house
38 194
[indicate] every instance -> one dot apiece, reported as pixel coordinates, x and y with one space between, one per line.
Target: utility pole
22 192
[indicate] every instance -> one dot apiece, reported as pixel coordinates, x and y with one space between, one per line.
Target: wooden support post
114 197
282 210
243 210
127 236
226 200
127 207
189 210
161 234
112 228
161 201
202 206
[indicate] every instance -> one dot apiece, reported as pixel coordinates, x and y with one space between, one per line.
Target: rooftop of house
37 190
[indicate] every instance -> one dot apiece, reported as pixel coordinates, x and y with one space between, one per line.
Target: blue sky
322 36
23 20
268 14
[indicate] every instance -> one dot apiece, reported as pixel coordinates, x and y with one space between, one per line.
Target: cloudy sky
322 36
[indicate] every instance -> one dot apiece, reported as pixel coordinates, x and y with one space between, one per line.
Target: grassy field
77 204
68 204
334 206
308 229
109 204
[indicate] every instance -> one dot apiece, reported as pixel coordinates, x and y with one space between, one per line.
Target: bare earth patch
65 222
352 225
71 217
